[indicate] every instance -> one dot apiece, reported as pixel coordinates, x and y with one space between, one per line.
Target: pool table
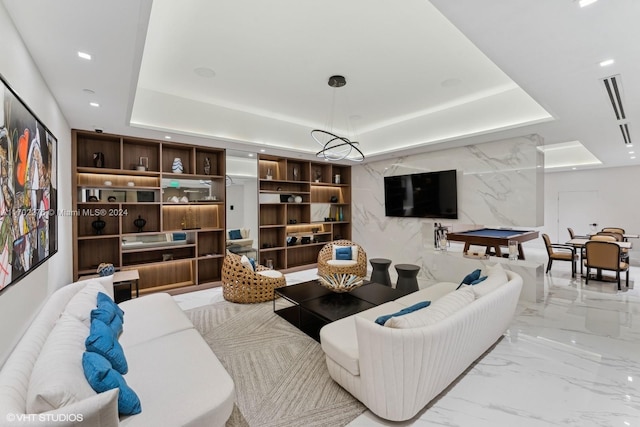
493 238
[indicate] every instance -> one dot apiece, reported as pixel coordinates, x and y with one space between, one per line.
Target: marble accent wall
500 184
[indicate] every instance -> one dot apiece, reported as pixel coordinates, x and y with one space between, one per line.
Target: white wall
20 302
615 203
498 185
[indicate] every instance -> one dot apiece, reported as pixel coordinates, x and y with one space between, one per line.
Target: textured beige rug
279 372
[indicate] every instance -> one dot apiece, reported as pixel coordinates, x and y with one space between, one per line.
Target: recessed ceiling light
250 154
89 91
629 145
94 104
607 62
167 137
84 55
574 168
204 72
631 152
262 150
633 157
584 3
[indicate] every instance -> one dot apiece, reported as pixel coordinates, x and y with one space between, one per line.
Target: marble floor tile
572 359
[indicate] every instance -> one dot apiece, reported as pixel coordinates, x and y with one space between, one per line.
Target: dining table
579 243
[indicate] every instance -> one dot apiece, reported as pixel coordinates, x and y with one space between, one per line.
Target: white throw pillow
81 304
57 378
244 232
245 261
354 252
106 281
496 277
274 274
438 310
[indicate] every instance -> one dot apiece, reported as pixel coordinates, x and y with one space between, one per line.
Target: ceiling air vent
613 85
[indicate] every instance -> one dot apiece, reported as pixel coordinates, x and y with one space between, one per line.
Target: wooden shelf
191 264
274 217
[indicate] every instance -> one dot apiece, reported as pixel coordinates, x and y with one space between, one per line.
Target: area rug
280 374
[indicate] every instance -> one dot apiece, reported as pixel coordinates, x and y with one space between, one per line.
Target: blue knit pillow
422 304
235 235
102 377
103 341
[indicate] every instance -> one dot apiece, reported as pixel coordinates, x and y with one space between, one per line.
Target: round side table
380 273
407 277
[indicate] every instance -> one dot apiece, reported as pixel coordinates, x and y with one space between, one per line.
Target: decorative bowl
341 282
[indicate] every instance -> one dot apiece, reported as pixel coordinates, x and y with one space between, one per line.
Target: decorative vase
207 166
295 174
98 225
340 216
177 167
105 269
139 223
98 160
269 174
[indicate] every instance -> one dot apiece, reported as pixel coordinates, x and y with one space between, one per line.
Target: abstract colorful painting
28 189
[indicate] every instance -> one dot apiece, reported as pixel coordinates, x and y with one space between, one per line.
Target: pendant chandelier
335 147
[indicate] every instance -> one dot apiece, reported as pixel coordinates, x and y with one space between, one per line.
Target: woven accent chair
241 284
603 255
326 254
560 252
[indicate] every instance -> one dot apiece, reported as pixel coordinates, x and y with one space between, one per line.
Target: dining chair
603 255
573 235
624 253
560 252
613 230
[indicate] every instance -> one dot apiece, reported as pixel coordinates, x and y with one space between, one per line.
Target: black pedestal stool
380 273
407 277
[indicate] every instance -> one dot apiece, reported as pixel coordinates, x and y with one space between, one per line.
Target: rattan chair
241 284
603 255
326 254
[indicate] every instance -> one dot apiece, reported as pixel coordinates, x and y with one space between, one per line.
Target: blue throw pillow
253 263
475 282
343 253
102 377
474 275
422 304
106 299
235 234
103 341
109 317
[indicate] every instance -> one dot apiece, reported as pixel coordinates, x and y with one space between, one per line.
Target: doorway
577 209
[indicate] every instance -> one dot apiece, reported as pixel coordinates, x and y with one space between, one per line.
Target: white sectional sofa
178 379
396 371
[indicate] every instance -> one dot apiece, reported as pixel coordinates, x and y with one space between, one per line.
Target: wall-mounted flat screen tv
422 195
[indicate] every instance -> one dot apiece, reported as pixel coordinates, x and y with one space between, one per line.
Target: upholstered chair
613 230
560 252
603 255
242 284
328 264
573 235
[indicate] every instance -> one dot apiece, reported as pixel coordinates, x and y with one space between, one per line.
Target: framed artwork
28 189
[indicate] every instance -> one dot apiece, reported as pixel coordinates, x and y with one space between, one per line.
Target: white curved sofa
397 372
178 379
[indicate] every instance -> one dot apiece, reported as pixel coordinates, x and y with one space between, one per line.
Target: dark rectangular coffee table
314 306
